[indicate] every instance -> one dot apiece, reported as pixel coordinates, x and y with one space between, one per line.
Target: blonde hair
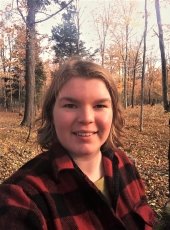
85 69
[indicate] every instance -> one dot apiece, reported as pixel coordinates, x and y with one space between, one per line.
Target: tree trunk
125 68
163 59
78 26
19 95
11 96
134 73
143 68
149 95
30 66
133 86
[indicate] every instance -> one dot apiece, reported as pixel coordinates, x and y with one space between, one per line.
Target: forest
132 44
123 45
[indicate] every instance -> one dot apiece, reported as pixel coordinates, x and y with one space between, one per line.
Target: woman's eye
71 106
100 106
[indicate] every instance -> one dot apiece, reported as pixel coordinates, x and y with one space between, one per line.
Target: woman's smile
84 133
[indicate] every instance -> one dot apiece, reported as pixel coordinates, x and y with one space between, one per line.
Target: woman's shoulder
124 157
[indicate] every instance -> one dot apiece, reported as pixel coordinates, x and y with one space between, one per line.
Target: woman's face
82 116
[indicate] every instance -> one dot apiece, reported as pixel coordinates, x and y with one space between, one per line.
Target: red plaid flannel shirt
51 192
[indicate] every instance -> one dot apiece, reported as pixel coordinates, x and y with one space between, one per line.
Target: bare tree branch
156 33
50 16
44 13
54 13
20 12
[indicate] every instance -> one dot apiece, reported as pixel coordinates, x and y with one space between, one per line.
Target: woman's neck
91 166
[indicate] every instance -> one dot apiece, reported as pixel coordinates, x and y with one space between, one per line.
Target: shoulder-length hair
88 70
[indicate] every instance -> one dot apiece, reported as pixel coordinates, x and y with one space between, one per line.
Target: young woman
83 180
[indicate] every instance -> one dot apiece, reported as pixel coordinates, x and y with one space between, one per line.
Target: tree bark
30 66
134 73
143 68
163 58
125 66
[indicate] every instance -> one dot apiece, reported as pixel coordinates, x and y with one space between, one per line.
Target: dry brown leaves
149 148
14 151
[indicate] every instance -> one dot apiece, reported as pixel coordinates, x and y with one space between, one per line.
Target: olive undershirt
100 184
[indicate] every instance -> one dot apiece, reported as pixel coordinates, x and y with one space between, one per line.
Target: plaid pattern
51 192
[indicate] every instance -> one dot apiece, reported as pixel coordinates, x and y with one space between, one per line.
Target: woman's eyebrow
102 100
71 99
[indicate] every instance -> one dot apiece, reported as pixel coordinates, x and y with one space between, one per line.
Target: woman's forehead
81 87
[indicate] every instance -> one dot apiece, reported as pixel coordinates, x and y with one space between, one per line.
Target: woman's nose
86 115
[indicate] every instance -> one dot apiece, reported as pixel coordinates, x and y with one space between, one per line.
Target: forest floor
148 148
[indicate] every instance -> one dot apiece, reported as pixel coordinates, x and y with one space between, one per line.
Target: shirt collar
61 159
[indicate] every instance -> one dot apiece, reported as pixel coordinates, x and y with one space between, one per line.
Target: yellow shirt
100 184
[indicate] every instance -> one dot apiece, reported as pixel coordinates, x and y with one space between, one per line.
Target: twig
29 133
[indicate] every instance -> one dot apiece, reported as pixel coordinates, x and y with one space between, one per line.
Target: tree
143 66
40 77
33 6
163 58
67 37
136 57
153 81
121 35
8 57
19 67
102 23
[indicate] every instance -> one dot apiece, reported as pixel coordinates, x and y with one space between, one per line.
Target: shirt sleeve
18 211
